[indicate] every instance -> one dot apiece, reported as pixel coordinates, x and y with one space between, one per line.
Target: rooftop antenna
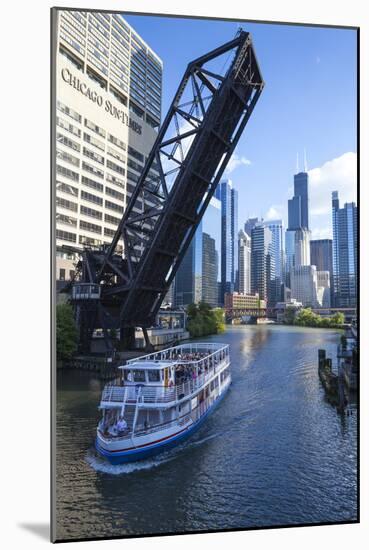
297 163
305 163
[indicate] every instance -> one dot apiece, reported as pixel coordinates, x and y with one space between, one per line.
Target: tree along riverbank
204 320
307 318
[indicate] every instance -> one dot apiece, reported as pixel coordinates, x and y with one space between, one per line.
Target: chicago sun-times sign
93 96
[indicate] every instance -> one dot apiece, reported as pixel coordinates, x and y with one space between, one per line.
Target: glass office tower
229 239
344 225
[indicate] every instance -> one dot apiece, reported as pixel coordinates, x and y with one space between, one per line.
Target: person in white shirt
121 425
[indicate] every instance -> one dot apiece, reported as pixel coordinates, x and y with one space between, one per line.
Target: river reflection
274 452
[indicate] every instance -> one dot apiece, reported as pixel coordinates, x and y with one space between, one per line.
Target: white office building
108 91
304 285
324 288
302 247
244 262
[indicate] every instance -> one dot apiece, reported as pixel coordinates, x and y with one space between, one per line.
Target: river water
273 453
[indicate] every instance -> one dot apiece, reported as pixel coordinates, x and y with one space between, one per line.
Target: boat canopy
149 365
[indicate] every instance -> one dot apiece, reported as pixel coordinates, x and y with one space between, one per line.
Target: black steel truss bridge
122 285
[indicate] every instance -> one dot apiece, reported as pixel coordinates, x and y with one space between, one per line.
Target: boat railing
211 351
192 416
158 394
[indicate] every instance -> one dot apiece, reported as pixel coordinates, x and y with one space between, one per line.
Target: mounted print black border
53 45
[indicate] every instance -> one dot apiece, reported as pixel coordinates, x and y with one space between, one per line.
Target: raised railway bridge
193 147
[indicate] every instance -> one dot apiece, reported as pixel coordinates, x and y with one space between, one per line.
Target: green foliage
66 332
289 316
307 318
204 320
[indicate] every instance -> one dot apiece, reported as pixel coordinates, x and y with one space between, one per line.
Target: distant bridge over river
232 314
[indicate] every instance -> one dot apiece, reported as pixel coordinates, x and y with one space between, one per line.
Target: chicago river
273 453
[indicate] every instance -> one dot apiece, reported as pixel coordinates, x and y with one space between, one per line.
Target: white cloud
275 212
340 175
234 162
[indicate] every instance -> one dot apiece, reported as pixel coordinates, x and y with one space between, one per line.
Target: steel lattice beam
199 134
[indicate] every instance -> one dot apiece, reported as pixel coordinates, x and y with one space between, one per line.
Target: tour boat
161 399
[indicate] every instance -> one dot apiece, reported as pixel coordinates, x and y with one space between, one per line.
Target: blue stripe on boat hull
140 454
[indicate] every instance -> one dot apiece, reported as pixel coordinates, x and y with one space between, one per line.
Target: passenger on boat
121 426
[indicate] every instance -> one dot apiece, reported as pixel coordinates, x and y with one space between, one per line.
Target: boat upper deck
168 376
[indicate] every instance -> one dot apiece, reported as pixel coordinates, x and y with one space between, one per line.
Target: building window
92 169
91 198
113 206
109 232
67 188
66 157
132 176
136 110
60 138
89 241
66 236
113 193
62 274
68 111
93 228
66 220
93 156
132 164
111 219
95 128
68 127
93 141
67 173
115 167
90 212
116 154
93 184
68 205
117 142
114 179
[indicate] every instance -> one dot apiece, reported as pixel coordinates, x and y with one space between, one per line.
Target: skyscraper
209 271
188 280
298 218
302 247
108 91
290 255
321 256
234 237
298 206
262 264
229 201
244 262
276 227
301 185
250 224
196 279
344 225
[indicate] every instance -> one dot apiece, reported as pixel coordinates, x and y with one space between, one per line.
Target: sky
308 103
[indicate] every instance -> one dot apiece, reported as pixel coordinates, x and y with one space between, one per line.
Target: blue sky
309 101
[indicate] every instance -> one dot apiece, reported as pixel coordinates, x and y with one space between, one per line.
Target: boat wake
99 464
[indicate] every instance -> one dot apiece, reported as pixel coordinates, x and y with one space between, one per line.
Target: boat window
154 375
139 375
